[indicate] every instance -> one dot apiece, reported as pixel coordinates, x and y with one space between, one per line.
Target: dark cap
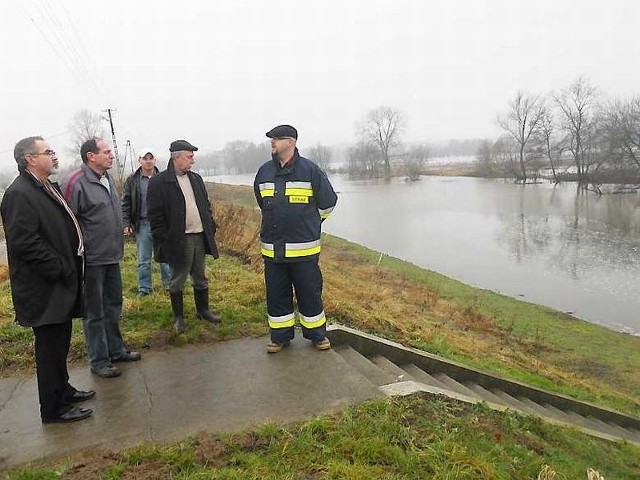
180 145
283 131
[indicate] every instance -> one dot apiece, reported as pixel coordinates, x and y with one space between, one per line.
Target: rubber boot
178 311
201 298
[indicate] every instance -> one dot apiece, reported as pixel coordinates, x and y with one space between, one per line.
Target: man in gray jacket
92 196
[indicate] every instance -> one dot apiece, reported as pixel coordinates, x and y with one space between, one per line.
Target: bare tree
486 158
321 155
506 154
522 122
84 126
382 127
552 146
578 107
364 161
414 160
241 156
621 132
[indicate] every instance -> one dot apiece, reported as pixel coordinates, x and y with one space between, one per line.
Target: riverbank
383 296
411 438
401 302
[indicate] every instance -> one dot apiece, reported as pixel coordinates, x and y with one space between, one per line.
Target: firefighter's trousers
281 280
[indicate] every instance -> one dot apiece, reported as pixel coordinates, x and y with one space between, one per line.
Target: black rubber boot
178 311
201 298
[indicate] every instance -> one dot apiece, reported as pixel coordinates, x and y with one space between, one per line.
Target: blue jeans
144 244
101 323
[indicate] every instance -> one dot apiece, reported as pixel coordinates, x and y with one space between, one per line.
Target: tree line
572 134
377 151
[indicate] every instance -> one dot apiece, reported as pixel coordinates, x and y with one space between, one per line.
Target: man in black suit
45 253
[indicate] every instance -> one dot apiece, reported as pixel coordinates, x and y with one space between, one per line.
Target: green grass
416 437
486 330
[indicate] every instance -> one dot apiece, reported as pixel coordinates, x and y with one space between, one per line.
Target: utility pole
129 152
115 144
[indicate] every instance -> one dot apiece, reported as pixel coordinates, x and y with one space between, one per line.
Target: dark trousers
192 263
306 278
51 349
101 323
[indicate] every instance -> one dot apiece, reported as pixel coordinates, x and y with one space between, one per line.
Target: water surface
576 252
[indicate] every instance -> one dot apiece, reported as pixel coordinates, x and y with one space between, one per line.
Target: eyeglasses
51 153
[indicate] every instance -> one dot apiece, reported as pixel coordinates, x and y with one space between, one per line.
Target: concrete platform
168 395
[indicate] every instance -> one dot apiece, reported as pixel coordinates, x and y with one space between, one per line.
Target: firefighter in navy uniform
295 196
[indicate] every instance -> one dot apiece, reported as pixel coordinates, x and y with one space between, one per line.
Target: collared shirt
144 186
49 188
104 180
285 164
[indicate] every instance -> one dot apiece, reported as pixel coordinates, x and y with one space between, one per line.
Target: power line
83 51
55 33
55 48
59 32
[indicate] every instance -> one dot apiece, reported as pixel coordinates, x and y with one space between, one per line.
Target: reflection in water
554 245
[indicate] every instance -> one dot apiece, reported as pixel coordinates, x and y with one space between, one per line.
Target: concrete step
585 422
514 403
598 425
541 411
625 433
485 394
455 385
421 376
610 428
412 362
558 414
372 372
391 368
635 434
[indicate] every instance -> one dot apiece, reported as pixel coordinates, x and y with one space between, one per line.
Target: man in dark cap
45 250
183 230
295 196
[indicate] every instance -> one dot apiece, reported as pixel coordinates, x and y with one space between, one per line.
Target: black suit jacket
167 214
42 247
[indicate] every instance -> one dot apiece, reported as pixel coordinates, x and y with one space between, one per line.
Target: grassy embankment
408 438
418 437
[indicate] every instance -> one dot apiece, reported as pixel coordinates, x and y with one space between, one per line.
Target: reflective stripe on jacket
294 201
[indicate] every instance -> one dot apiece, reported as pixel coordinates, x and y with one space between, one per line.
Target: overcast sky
216 71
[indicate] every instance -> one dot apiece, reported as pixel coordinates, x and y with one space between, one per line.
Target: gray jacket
99 213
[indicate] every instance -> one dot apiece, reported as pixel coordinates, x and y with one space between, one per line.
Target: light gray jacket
99 213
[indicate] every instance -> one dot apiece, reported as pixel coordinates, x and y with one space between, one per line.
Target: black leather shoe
128 357
81 396
108 371
72 415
